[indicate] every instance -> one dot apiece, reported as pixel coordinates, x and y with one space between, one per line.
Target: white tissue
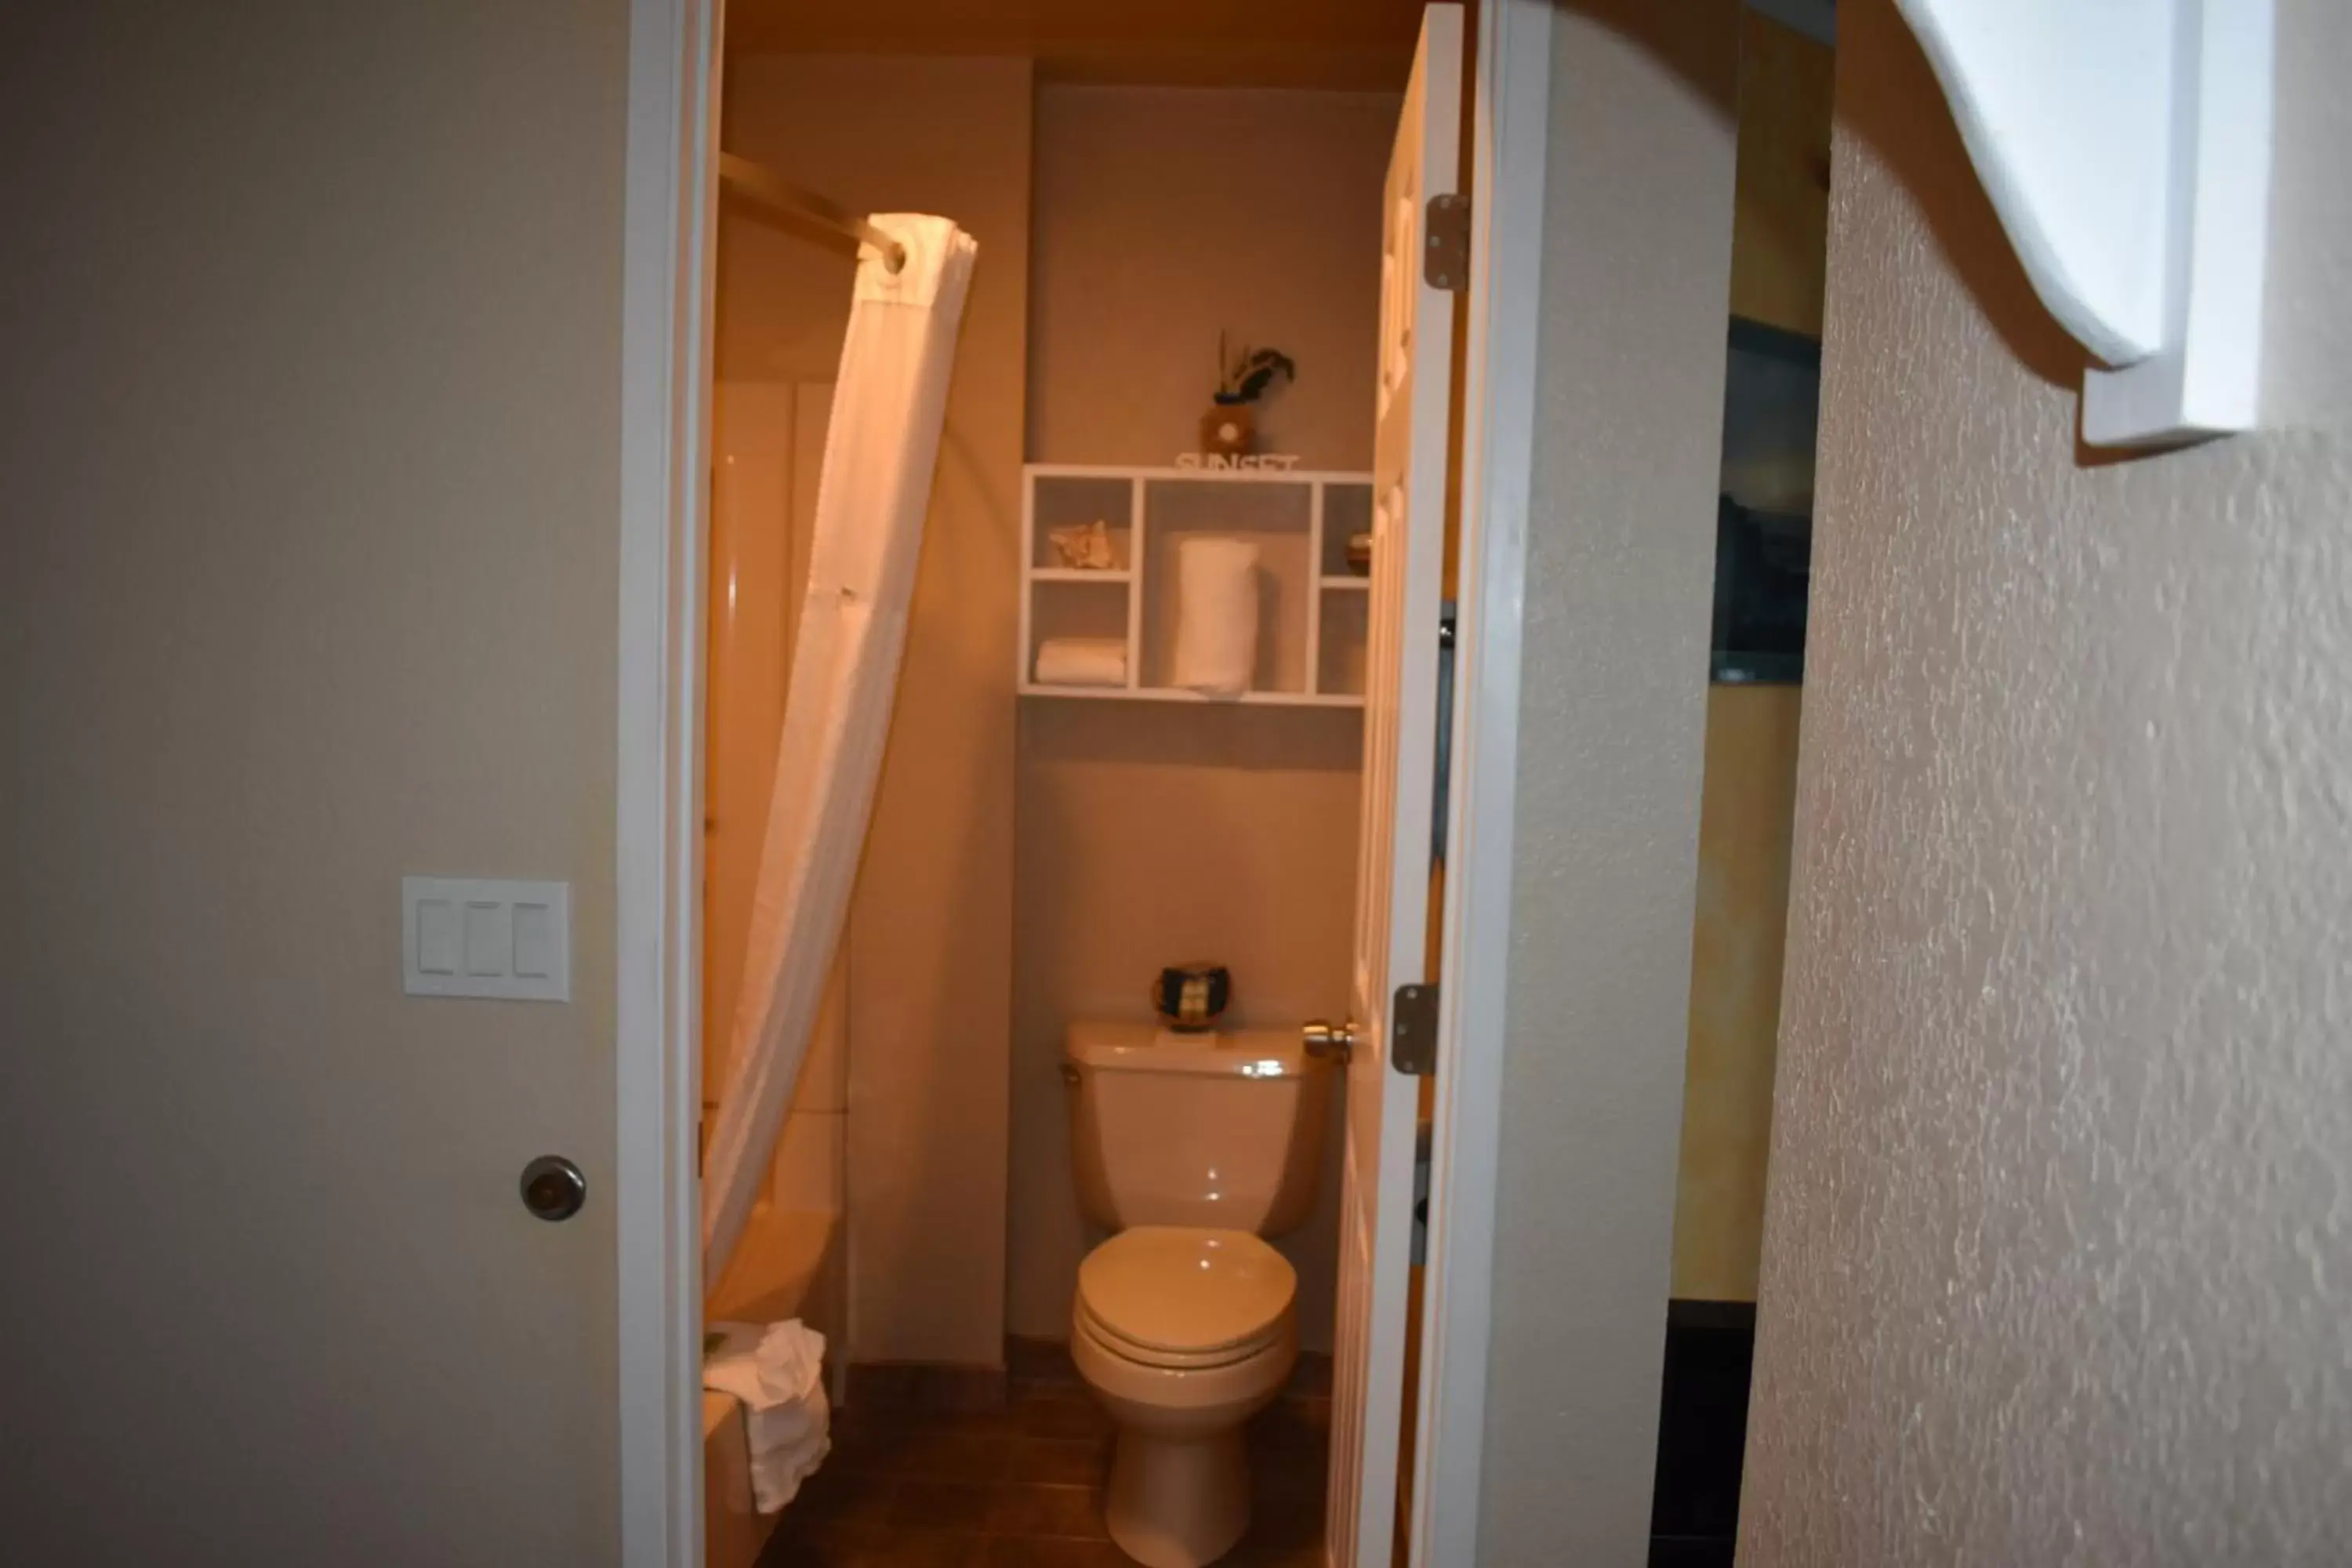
1082 661
776 1371
1216 616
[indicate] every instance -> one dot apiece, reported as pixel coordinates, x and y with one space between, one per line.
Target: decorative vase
1229 429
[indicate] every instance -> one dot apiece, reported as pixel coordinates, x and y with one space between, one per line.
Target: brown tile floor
1023 1486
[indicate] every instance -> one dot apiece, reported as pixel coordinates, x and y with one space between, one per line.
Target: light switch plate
471 936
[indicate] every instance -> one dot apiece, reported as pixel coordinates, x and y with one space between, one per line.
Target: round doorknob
554 1188
1332 1042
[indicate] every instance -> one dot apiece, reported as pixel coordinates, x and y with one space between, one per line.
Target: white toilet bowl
1184 1333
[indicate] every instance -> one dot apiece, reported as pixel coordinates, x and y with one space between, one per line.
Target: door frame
666 306
1510 131
669 273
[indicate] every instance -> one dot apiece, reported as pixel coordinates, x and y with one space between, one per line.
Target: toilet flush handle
1332 1042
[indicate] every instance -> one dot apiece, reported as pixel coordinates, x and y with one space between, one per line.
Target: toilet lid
1186 1290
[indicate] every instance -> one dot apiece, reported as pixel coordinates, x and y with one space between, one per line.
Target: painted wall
1781 212
1166 215
309 568
1620 559
1159 836
1747 807
1747 817
930 965
2059 1220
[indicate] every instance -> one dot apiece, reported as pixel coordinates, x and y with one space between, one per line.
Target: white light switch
435 929
470 937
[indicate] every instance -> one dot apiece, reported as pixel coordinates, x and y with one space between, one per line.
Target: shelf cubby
1313 612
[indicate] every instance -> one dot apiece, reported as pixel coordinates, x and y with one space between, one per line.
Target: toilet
1190 1148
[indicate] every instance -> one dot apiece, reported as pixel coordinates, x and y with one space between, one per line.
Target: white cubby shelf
1313 611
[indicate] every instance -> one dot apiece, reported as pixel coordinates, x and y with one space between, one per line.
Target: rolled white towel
1216 616
1082 661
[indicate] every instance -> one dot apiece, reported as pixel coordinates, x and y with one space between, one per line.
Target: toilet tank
1222 1129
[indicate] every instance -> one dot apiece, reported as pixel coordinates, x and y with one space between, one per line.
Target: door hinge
1420 1197
1445 243
1412 1030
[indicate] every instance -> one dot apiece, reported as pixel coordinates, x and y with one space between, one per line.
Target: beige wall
1152 834
1165 215
1620 556
2058 1222
309 577
1746 813
929 951
1148 837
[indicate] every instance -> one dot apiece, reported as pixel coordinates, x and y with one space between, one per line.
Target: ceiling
1338 44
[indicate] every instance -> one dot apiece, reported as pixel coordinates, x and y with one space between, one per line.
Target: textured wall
1621 554
2060 1202
930 948
309 545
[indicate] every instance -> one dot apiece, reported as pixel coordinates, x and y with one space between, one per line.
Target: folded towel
1082 661
776 1371
1216 616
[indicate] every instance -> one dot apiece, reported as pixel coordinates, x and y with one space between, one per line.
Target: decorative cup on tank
1191 997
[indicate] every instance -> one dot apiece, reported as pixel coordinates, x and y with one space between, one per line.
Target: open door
1409 457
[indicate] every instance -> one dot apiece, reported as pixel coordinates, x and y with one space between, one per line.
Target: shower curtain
880 449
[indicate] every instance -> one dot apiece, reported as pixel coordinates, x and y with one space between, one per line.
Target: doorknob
1332 1042
554 1188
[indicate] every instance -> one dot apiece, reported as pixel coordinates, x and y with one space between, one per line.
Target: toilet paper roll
1216 616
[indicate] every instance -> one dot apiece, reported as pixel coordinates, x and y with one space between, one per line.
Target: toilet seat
1185 1298
1110 1341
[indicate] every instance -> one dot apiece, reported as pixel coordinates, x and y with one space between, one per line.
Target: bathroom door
1393 882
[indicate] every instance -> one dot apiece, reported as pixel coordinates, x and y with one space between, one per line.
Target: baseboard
1702 1432
1030 1358
947 1389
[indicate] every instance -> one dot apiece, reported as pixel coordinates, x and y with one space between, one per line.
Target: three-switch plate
470 936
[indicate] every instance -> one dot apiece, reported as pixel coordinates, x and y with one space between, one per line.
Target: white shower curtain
880 450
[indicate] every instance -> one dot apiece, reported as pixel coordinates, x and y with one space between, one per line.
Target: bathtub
787 1266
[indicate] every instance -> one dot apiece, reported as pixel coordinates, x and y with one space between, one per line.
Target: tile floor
1021 1487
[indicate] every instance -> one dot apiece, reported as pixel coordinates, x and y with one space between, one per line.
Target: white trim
1154 475
1314 593
666 304
1512 95
666 288
2127 148
1081 574
1180 694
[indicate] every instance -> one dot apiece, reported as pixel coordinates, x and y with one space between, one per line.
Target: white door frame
667 281
667 287
1511 96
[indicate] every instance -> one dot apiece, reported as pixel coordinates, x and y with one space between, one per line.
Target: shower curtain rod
755 181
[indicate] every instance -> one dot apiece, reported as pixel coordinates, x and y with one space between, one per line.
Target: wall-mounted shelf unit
1313 612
